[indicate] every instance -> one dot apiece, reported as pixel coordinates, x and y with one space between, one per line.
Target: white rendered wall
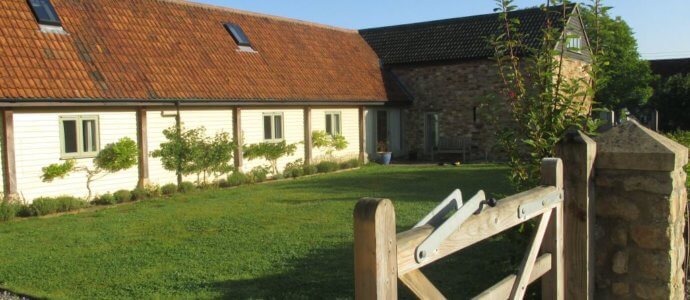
350 130
253 133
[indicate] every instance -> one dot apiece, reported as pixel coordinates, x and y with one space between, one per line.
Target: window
45 12
574 42
273 127
333 123
238 34
79 136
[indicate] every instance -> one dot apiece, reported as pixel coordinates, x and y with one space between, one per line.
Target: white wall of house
253 133
2 173
214 120
394 131
350 130
37 144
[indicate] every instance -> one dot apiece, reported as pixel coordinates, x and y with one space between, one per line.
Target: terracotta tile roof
167 49
453 39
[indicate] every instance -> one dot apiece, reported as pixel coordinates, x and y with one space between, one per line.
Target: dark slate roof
452 39
669 67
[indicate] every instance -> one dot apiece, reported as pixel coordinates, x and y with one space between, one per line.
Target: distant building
669 67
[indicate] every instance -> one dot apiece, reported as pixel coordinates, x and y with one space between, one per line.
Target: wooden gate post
376 265
578 152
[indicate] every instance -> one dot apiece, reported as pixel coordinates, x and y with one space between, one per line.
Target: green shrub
327 166
350 164
237 178
139 194
258 174
25 211
223 183
69 203
8 210
187 187
105 199
123 196
294 169
310 170
169 189
153 190
45 205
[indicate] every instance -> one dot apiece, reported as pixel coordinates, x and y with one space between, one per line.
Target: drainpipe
178 128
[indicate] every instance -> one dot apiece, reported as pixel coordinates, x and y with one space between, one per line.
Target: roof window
238 34
45 12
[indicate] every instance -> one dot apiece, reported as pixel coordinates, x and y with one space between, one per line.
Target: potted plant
384 154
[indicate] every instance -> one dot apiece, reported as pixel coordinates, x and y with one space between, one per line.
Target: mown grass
289 239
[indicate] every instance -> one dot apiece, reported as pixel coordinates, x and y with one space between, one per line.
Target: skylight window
45 12
238 35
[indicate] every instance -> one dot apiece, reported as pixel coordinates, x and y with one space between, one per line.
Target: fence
383 257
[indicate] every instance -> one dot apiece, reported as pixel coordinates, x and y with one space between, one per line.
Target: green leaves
323 140
118 156
55 171
270 151
190 151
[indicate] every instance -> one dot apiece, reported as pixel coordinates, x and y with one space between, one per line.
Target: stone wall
459 93
640 206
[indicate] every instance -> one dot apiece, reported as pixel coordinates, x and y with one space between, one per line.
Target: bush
310 170
258 174
327 167
237 178
350 164
105 199
8 210
169 189
187 187
139 194
46 205
223 183
294 169
123 196
153 191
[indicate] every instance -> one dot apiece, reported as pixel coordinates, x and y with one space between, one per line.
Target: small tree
270 151
331 143
113 158
542 101
189 151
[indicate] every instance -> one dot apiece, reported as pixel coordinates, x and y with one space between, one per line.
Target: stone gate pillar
640 206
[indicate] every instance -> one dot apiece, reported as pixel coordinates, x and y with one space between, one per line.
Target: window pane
279 127
89 135
70 135
44 12
329 124
337 123
267 128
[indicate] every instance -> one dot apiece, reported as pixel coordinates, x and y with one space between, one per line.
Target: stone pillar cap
632 146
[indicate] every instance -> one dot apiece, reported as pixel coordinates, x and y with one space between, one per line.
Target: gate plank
502 289
527 265
421 286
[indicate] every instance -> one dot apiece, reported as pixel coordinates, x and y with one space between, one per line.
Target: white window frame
272 115
79 119
573 42
331 115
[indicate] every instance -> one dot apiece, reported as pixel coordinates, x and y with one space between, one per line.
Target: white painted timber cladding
349 128
253 132
214 120
37 144
2 173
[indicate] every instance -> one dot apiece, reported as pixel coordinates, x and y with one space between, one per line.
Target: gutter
47 102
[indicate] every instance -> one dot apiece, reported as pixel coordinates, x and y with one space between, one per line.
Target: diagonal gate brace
445 228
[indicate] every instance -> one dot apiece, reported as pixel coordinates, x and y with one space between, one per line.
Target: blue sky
660 26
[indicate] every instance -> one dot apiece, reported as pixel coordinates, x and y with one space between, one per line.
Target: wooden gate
383 257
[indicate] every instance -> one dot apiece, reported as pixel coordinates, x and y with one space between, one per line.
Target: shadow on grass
328 274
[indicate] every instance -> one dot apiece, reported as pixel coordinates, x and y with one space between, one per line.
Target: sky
660 26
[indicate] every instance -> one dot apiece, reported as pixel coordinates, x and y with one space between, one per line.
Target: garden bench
454 145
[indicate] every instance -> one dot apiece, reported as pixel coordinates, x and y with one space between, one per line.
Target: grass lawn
289 239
